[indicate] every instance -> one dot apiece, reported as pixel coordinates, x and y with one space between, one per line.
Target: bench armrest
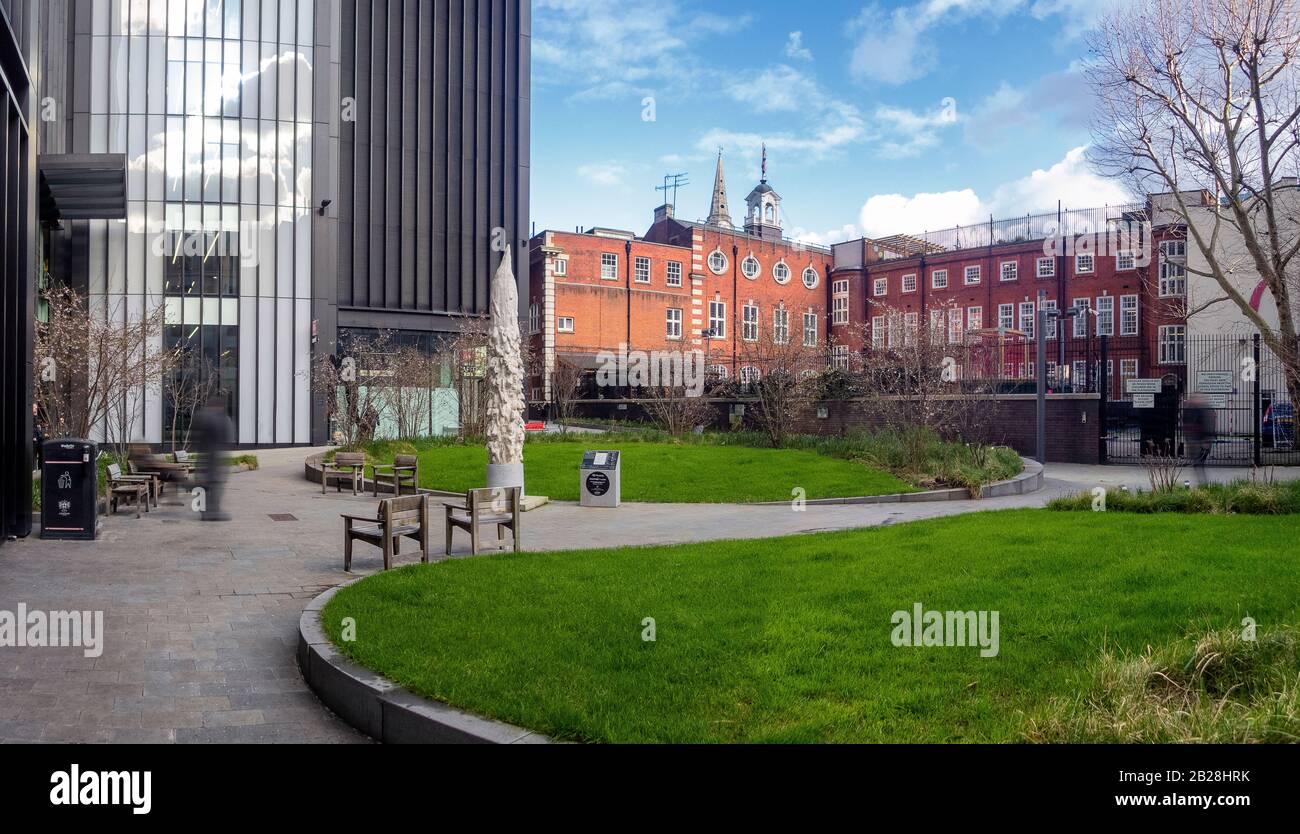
362 518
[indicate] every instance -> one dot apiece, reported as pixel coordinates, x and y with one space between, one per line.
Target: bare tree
354 384
189 384
1202 96
566 388
780 372
96 366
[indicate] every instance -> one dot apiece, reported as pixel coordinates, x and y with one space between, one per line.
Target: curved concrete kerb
1029 480
380 708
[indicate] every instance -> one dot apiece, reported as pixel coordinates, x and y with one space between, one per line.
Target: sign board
1215 382
1144 400
1143 386
601 477
1217 400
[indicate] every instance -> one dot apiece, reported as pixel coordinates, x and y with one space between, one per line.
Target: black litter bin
69 489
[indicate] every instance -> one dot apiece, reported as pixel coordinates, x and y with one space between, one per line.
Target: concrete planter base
380 708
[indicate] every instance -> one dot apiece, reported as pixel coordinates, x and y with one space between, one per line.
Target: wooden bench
405 469
158 467
122 487
345 464
494 505
396 518
184 458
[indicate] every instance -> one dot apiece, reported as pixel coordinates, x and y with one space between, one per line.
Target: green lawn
788 640
668 473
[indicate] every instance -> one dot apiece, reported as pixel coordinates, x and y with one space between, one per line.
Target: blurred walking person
212 438
1198 435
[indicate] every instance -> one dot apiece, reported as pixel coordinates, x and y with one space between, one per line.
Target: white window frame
840 287
939 279
608 266
749 323
955 331
1012 274
750 375
1105 315
674 278
1129 313
534 318
780 326
777 269
673 323
638 272
972 275
1173 248
1173 279
909 279
560 326
1172 340
1050 263
878 332
745 265
1080 259
561 266
974 318
879 287
816 277
911 328
718 262
840 357
718 319
1006 316
1128 369
1084 305
810 328
840 309
1028 312
1125 260
1052 321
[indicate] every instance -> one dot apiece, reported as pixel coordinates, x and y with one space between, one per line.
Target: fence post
1258 406
1103 390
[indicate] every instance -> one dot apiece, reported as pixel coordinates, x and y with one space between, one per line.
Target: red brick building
701 287
711 287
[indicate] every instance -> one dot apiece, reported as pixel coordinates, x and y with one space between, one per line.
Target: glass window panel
193 18
301 171
248 161
156 165
193 88
284 253
266 165
158 10
119 22
174 146
251 12
99 80
249 100
175 17
158 80
270 21
193 158
139 17
116 257
137 159
266 264
99 17
138 76
99 134
157 242
135 247
267 77
175 87
284 164
288 11
232 19
285 74
117 134
215 19
306 15
304 63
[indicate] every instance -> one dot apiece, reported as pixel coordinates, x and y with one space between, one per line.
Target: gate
1240 384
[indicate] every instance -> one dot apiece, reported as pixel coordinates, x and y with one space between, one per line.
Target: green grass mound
789 639
1222 687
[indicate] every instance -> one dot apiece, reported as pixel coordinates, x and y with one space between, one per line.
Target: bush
1220 687
1236 498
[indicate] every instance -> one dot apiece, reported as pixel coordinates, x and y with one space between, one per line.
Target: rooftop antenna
671 183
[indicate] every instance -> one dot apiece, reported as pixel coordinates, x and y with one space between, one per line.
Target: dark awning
82 186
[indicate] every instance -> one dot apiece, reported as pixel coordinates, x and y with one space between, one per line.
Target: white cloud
605 174
1011 111
795 49
607 51
1069 181
896 46
907 133
779 89
846 232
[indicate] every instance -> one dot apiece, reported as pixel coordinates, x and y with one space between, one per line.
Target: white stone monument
505 383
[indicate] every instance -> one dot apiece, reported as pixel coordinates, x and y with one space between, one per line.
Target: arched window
771 212
750 375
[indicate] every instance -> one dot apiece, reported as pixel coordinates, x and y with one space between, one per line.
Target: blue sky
879 117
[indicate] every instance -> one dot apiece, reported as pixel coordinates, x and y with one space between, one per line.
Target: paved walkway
201 618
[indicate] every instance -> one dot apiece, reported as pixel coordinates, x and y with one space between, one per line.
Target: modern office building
18 259
297 172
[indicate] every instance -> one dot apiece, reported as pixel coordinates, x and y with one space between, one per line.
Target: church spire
719 214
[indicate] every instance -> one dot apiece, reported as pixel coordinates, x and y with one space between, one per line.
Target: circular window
781 273
750 267
718 262
810 278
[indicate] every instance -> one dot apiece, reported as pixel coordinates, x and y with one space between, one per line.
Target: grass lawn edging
380 708
1029 480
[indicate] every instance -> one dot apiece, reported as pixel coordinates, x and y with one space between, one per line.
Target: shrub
1218 688
1239 497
